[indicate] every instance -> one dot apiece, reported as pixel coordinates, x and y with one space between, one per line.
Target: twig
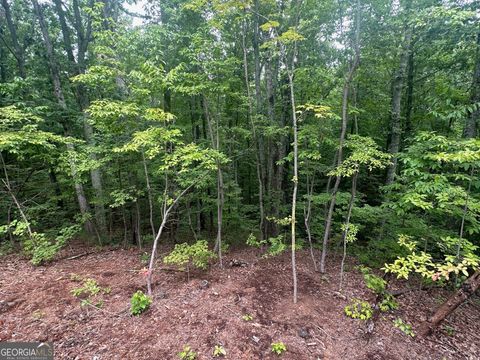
78 256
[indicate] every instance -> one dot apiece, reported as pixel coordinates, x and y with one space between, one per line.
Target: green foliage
388 303
247 317
276 246
144 257
373 282
187 353
139 303
364 152
41 249
404 327
253 241
351 231
359 309
423 263
219 351
278 348
185 255
89 288
89 292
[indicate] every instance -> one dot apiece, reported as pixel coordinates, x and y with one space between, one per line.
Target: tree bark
307 211
347 224
215 140
471 123
58 92
295 184
18 52
467 289
346 90
397 89
255 139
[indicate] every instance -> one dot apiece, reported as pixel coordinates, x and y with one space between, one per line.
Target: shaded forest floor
36 305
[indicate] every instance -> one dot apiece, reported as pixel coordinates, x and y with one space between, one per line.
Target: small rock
303 333
238 262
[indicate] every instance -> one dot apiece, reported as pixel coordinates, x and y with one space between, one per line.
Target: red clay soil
36 304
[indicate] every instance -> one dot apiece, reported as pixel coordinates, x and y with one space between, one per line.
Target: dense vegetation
334 126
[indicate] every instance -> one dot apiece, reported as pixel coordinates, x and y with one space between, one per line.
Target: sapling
185 256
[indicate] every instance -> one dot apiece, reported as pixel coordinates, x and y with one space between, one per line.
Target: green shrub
277 246
404 327
247 317
89 291
139 303
278 348
359 309
219 350
41 250
187 353
388 303
254 242
185 256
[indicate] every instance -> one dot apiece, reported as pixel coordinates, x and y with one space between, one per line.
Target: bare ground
36 305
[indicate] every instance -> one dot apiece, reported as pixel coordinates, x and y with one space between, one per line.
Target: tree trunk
82 100
346 89
58 92
149 194
307 215
471 124
397 89
467 289
18 52
409 103
215 140
159 234
295 184
347 224
255 139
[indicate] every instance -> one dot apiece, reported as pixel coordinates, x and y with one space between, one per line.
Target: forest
241 179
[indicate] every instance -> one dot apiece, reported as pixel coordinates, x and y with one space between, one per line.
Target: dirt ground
36 304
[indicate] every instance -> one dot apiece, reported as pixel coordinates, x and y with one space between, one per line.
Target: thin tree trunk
220 196
307 215
159 234
471 124
8 188
397 89
18 52
347 224
409 103
149 194
255 138
58 92
295 184
346 88
138 224
82 100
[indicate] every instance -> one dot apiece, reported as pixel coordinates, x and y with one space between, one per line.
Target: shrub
404 327
219 350
41 250
89 291
359 309
187 353
139 303
247 317
185 256
278 348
